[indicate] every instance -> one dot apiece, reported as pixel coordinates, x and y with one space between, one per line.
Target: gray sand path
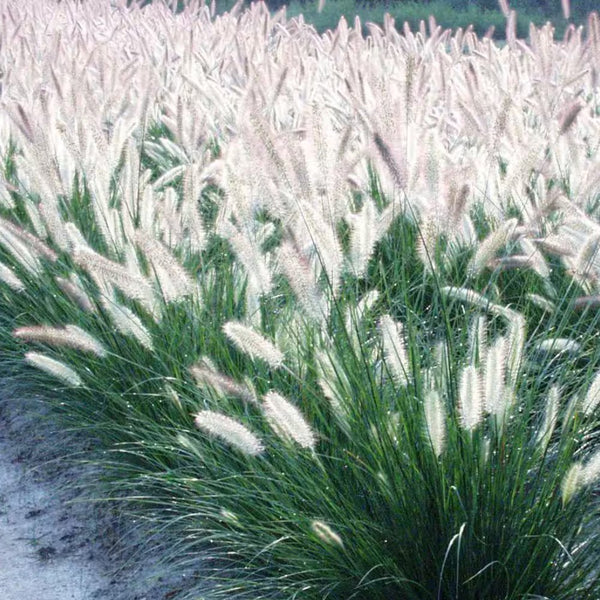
53 547
43 553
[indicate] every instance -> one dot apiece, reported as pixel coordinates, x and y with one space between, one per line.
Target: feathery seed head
172 395
558 345
80 339
364 237
435 419
53 367
430 230
333 383
18 237
504 7
229 516
205 374
174 281
491 245
75 237
394 349
592 399
550 418
250 255
230 431
569 116
105 271
253 344
494 371
326 534
470 398
542 303
22 253
71 336
572 482
585 261
438 375
398 173
300 275
591 469
127 322
478 339
517 331
468 296
287 421
72 288
7 276
536 258
54 224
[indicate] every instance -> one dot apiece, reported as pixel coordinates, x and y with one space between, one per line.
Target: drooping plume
287 421
230 431
53 367
253 344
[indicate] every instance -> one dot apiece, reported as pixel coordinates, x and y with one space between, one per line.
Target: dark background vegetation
452 14
546 8
481 14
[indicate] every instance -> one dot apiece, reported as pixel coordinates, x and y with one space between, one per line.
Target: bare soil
54 545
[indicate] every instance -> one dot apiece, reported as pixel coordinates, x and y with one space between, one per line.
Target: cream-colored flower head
287 421
253 344
230 431
53 367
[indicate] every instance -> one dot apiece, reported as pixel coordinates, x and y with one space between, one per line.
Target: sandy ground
52 546
43 550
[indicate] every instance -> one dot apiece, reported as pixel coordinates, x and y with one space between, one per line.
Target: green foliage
480 16
416 485
485 519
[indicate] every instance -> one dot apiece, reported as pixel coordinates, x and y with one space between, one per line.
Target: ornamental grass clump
324 304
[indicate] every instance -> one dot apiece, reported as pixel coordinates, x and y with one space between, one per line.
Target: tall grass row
326 305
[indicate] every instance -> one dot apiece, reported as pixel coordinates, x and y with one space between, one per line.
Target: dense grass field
325 305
